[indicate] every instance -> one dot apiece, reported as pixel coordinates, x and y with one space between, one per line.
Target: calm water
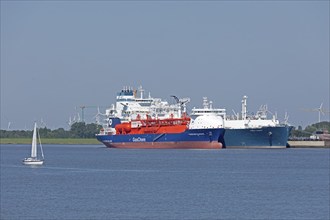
94 182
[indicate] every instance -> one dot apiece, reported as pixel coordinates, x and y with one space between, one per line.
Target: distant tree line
77 130
82 130
310 129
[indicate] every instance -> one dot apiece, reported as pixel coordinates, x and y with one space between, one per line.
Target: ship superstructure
131 103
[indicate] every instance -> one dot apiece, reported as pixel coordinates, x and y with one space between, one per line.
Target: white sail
34 142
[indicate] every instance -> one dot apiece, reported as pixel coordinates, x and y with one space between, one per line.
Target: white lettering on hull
139 139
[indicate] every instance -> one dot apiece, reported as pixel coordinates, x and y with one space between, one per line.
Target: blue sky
58 55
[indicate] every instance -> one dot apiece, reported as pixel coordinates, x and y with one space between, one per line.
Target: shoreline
309 144
51 141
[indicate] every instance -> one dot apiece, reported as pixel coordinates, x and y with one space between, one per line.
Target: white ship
246 130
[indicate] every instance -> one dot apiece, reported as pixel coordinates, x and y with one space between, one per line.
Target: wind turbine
286 118
42 123
78 117
319 109
97 116
84 108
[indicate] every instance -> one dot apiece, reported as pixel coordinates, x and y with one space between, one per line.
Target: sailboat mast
42 152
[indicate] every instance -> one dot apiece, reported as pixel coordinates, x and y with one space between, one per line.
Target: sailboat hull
32 161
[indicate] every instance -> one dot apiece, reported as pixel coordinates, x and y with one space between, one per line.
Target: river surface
94 182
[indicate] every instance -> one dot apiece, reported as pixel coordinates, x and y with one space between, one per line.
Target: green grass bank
50 141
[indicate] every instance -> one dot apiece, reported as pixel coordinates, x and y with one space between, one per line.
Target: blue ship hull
265 137
190 139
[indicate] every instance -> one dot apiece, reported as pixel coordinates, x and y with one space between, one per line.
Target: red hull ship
160 133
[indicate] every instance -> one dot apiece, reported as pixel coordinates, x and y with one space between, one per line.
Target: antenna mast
244 107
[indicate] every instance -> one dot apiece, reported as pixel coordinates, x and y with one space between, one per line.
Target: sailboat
33 160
